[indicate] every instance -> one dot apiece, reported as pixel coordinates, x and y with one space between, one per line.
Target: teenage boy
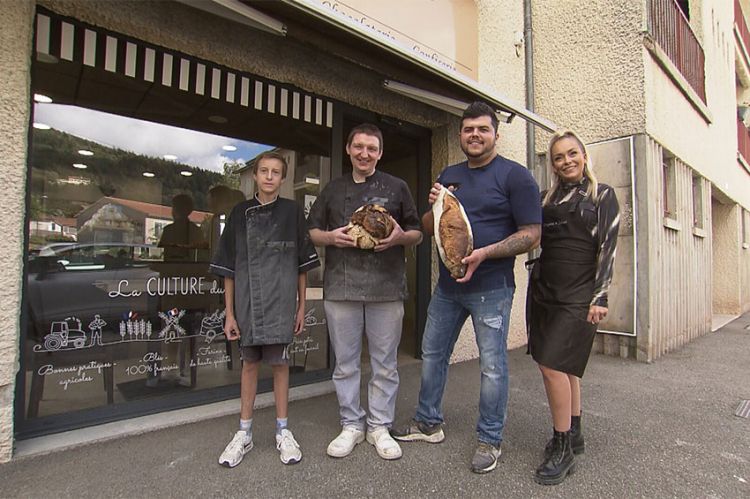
364 291
263 255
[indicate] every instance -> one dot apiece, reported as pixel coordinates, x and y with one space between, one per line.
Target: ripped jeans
490 314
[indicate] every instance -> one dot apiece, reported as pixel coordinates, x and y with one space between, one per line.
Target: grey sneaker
417 431
485 458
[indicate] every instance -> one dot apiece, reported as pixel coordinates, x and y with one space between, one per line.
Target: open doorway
725 302
406 156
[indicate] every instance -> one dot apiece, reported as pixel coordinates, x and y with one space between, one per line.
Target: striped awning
67 39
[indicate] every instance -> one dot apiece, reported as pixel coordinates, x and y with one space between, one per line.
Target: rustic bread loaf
369 224
453 235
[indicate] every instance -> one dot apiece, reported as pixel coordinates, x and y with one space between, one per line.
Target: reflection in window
125 215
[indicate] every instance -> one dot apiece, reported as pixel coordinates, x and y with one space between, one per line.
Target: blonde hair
593 187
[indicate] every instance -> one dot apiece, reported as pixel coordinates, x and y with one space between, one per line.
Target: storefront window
130 186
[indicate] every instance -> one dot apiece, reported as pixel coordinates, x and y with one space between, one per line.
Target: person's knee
492 368
279 368
551 374
250 366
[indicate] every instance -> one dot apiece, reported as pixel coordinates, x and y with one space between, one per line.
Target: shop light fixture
170 157
42 99
448 104
84 152
41 126
239 12
229 148
80 166
186 173
148 174
215 118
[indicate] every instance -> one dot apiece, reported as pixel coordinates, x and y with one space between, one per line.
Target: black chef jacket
263 248
363 275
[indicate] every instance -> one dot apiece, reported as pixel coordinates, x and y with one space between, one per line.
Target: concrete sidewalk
665 429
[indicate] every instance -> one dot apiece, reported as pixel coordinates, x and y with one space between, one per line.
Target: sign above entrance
363 25
445 35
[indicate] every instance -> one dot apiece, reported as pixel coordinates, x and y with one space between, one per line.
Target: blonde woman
568 292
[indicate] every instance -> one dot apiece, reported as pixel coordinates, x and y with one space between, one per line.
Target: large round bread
453 235
369 224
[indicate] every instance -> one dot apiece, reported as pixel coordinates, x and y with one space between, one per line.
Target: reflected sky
198 149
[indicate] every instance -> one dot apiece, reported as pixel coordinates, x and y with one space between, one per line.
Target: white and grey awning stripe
71 40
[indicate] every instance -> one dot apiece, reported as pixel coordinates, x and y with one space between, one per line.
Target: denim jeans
490 314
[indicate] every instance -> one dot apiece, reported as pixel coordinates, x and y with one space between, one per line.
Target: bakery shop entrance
406 154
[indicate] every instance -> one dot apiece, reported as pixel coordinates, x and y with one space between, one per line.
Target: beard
482 152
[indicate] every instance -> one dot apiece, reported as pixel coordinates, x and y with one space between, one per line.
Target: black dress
579 236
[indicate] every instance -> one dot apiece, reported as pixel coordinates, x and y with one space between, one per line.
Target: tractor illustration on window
65 334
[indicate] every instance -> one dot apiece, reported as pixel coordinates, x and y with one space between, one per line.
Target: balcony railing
671 31
743 140
739 21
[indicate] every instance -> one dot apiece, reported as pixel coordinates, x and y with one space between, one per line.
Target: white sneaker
236 449
343 445
289 451
385 445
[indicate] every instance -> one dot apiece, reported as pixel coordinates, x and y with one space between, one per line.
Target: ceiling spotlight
42 99
217 119
84 152
41 126
148 174
80 166
170 157
186 173
229 148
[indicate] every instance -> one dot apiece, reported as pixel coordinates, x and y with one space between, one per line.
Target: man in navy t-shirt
502 203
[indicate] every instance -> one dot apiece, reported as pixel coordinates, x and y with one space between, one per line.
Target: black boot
576 438
560 463
576 435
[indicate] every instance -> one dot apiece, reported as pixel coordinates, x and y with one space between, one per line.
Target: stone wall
15 59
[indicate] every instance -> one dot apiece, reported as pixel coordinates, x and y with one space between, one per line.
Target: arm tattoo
525 239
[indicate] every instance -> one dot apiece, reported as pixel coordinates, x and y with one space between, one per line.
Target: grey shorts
274 355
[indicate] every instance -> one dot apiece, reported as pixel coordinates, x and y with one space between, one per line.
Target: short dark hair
271 155
367 129
477 109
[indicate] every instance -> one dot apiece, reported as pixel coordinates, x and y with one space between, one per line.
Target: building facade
657 87
125 118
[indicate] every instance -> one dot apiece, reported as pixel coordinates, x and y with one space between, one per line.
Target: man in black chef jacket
364 290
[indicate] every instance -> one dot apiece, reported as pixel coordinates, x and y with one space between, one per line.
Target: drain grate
743 410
